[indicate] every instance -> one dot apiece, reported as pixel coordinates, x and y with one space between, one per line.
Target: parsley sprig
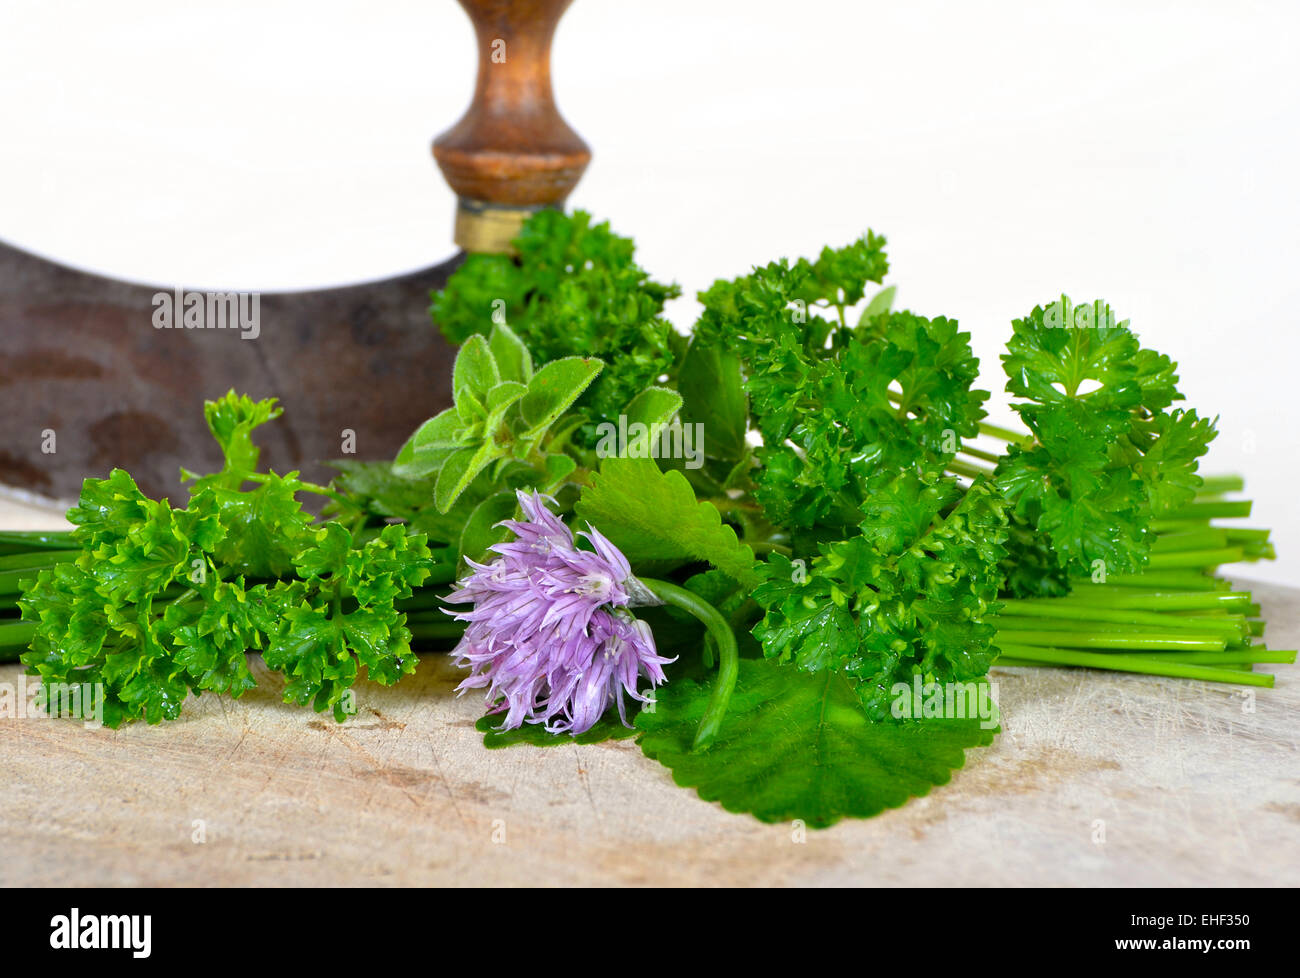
160 603
1109 456
573 288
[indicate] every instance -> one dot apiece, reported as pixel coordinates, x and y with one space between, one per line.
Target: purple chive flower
550 635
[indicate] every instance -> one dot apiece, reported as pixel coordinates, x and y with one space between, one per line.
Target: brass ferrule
489 228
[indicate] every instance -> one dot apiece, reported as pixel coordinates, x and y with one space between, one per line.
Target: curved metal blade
89 382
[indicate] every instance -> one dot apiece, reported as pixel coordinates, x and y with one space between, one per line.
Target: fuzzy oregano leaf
654 517
426 450
512 358
553 389
797 745
475 370
557 467
503 410
460 469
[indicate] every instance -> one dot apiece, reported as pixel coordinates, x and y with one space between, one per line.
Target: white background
1143 152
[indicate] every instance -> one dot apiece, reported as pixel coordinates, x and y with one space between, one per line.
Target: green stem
1256 551
1215 484
10 580
1165 525
1036 610
1210 538
1191 559
1134 663
311 487
1157 600
1228 666
1246 657
958 467
16 634
430 631
728 654
1211 509
1178 580
24 541
1171 640
980 453
1006 434
1243 535
37 560
761 547
726 505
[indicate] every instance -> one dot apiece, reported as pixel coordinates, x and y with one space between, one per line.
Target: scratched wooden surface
1097 780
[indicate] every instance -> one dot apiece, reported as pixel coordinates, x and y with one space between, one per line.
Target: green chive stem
728 654
1122 641
1125 663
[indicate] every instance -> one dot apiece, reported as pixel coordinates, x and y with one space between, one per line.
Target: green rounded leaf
714 395
440 431
796 745
500 400
558 468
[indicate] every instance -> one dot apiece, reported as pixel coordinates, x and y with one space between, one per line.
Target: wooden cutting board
1097 779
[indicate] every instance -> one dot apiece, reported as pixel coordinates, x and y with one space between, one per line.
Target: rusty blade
87 382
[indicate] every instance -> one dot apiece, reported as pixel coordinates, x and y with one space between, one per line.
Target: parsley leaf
836 404
574 289
899 399
156 605
232 419
905 597
340 615
1108 456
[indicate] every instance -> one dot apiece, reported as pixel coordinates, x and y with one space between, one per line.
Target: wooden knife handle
512 153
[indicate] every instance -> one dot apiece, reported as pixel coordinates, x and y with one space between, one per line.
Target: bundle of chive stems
1177 617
